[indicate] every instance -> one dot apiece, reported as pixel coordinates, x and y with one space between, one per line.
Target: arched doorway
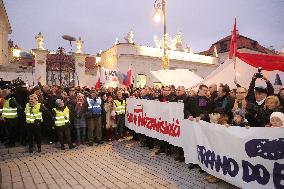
60 69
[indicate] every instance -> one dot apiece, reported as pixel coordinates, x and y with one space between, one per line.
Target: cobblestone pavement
121 164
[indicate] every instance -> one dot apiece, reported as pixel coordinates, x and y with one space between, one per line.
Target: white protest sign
147 117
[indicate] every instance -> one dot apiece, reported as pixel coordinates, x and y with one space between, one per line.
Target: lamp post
160 5
16 51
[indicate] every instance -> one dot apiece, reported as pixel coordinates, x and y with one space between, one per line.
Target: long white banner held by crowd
247 158
150 118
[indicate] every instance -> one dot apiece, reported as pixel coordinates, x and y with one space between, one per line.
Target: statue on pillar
116 41
39 39
79 44
178 41
215 53
129 38
188 49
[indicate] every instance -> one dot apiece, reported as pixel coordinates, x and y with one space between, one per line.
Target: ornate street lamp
16 51
160 7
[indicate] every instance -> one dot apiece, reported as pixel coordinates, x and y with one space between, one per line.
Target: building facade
143 60
221 48
5 30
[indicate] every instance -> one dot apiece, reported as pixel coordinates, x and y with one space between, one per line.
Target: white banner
113 78
247 158
109 77
147 117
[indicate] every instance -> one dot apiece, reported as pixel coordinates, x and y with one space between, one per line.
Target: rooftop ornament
79 44
39 39
129 38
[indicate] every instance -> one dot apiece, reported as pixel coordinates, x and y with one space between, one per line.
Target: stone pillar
80 60
40 66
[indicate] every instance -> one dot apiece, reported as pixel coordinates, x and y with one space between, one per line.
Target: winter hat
261 89
280 115
58 102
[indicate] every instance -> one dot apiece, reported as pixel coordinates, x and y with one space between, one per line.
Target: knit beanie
58 102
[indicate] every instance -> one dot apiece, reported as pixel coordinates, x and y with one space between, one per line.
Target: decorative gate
60 69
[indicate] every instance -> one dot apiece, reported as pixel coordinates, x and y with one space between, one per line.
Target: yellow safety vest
120 108
34 114
62 117
7 111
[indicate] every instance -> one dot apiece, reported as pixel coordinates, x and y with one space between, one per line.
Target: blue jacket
94 106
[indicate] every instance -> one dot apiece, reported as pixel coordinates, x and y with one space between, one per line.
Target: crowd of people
84 116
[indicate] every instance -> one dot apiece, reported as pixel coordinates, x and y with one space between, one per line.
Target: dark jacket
169 98
251 97
214 96
226 103
198 106
263 116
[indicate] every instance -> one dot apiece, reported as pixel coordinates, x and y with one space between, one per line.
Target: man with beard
224 100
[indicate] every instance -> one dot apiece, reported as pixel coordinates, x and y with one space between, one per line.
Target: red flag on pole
233 44
98 79
129 76
127 79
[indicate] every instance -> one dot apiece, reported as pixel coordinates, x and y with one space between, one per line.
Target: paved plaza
121 164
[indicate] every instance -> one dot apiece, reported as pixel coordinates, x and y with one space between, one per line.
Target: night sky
99 22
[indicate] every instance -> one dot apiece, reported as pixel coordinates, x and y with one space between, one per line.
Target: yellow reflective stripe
5 113
30 119
63 121
60 117
28 114
10 109
120 107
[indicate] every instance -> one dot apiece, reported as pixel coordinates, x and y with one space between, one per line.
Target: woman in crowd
80 119
109 108
271 104
276 120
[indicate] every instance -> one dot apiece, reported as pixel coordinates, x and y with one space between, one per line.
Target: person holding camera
34 111
256 99
257 95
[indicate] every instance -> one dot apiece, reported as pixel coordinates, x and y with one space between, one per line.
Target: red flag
233 44
129 76
266 61
98 79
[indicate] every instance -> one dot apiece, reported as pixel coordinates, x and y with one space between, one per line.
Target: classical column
40 66
80 60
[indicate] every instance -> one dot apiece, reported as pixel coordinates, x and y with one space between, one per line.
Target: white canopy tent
243 73
178 77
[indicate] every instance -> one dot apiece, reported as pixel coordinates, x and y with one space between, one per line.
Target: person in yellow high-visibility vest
120 105
34 111
62 123
10 116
